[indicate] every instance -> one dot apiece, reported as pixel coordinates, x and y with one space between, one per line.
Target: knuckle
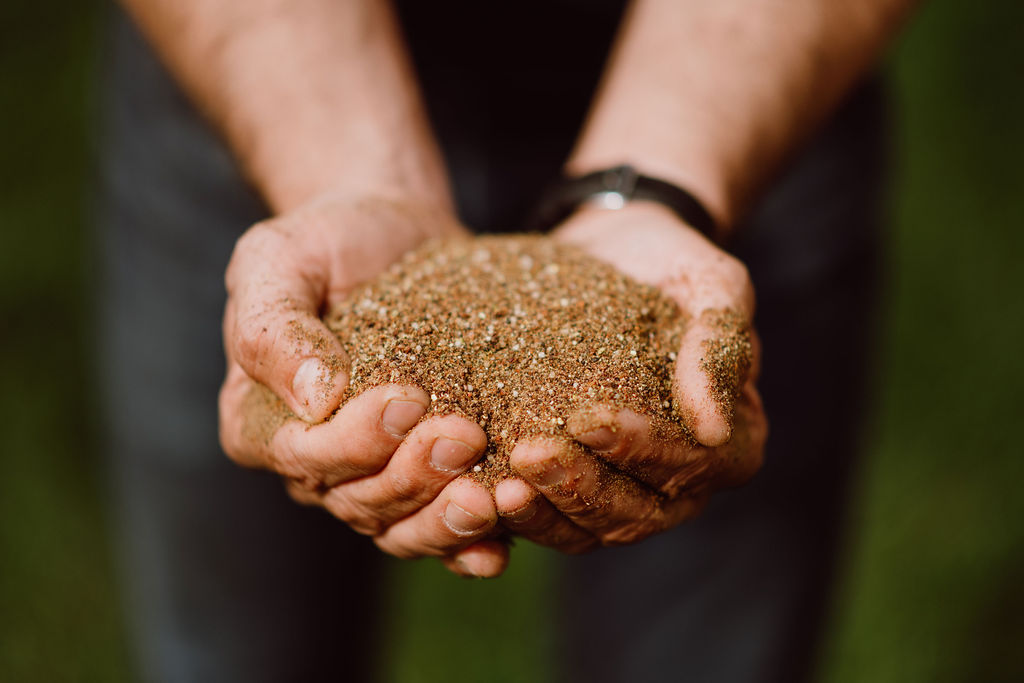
291 460
754 458
623 449
228 438
690 474
572 505
629 532
736 271
253 242
237 449
260 237
253 337
676 482
449 542
306 484
430 536
761 431
580 546
230 425
592 516
368 526
300 493
402 487
230 444
355 514
726 268
566 538
362 459
396 549
725 281
641 461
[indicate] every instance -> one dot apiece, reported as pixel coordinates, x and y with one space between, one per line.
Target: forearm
713 95
313 96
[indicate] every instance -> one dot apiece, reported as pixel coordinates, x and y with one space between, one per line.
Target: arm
313 96
317 100
711 96
714 96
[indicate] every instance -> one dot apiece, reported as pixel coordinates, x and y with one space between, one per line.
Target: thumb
718 351
715 361
271 328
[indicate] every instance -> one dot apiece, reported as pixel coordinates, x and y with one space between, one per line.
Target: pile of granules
517 333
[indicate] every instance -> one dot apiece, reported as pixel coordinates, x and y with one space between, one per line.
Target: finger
302 495
611 505
715 290
271 327
434 453
462 514
744 454
483 559
249 415
755 358
358 440
526 513
715 360
670 462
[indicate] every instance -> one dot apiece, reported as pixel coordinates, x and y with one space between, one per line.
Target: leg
227 579
740 594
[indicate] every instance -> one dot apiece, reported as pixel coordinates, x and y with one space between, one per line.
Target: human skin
318 102
712 97
372 464
673 478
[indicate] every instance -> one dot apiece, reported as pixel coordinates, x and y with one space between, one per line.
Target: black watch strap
613 188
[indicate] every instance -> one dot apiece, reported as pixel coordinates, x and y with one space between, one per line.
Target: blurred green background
933 588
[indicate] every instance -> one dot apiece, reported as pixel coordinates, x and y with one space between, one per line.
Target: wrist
700 179
303 173
592 222
309 96
645 240
619 186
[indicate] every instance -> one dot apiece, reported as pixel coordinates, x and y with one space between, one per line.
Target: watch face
620 179
607 200
613 188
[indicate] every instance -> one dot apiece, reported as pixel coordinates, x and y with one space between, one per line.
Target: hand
630 483
371 463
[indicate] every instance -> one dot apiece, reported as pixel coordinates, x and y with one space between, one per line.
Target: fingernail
586 484
464 569
450 454
553 475
467 572
525 513
600 439
462 521
401 416
310 378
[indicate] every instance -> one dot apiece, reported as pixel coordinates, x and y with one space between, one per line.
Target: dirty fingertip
484 559
600 439
712 429
316 388
514 499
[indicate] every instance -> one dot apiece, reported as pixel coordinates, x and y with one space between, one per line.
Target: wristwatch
613 188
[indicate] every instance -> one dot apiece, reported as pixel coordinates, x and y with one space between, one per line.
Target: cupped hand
372 462
631 480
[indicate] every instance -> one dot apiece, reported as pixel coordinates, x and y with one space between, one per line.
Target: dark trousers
228 580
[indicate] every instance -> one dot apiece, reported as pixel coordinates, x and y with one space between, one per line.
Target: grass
58 615
931 589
